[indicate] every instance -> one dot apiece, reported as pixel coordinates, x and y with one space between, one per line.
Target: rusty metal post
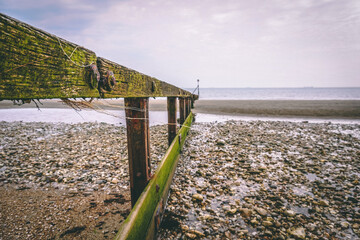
182 110
171 108
137 126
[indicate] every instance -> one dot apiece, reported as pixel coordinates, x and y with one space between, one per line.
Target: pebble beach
237 179
254 179
267 180
66 181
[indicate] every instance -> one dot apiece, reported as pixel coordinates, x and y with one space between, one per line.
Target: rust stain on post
171 108
137 125
182 110
187 107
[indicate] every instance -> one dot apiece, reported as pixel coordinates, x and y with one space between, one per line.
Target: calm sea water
280 93
118 117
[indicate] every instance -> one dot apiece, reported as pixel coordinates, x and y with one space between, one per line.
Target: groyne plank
144 219
35 64
130 83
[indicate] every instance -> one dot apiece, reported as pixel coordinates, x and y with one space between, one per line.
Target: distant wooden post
137 125
188 106
182 110
171 108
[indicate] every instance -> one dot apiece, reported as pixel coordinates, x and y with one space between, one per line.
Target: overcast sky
224 43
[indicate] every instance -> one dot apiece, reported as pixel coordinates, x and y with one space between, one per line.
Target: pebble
197 197
298 233
245 212
290 213
114 181
344 224
261 211
267 223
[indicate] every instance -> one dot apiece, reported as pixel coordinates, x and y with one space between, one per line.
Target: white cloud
226 43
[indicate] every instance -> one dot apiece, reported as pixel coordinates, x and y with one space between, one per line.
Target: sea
307 93
117 117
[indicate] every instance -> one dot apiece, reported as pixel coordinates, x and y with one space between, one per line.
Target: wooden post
188 106
182 110
137 125
171 108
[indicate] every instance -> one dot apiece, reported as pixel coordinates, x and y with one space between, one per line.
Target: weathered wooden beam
144 219
171 109
137 126
131 83
182 109
36 64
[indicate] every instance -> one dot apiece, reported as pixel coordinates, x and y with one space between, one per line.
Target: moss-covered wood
144 219
33 64
130 83
37 65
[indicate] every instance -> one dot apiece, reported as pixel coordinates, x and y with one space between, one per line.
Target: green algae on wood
143 220
33 64
131 83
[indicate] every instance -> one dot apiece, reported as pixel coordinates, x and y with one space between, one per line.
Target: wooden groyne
145 217
35 64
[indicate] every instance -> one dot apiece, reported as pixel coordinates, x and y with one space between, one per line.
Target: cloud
226 43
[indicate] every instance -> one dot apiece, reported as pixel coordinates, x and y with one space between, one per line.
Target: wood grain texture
138 141
130 83
33 64
171 109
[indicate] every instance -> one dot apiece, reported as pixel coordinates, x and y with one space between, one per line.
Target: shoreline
282 108
319 109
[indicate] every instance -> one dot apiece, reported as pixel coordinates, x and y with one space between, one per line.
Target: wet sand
308 108
282 108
